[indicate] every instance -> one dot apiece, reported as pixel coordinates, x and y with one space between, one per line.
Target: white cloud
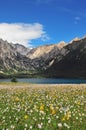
22 33
76 20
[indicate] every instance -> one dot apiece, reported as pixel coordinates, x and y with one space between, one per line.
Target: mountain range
62 60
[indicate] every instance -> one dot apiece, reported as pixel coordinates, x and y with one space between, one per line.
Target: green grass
49 108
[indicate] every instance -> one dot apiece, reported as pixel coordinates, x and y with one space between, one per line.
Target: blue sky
50 21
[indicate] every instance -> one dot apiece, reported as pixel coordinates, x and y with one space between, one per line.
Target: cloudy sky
39 22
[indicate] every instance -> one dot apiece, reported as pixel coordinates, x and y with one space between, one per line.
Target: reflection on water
48 80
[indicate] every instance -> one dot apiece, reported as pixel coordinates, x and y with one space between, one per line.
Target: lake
47 80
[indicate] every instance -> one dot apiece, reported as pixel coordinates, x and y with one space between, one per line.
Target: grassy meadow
42 107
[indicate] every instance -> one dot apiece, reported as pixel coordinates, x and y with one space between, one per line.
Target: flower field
45 108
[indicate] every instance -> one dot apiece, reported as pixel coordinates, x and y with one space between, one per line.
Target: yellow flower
53 112
42 108
63 119
26 117
67 116
78 103
16 99
51 107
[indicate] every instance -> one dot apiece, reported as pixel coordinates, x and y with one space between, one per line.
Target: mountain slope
22 49
42 57
72 62
44 50
11 59
56 60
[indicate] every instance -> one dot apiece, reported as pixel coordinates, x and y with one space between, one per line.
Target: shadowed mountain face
56 60
72 61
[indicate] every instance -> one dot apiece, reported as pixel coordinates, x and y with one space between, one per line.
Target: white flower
31 127
57 117
76 118
59 125
49 121
3 117
42 112
39 126
26 125
12 126
66 125
83 114
16 119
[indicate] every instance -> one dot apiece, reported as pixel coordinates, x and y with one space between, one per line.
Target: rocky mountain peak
22 49
40 51
75 40
61 44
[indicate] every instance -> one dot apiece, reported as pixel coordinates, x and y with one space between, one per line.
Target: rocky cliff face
12 59
71 62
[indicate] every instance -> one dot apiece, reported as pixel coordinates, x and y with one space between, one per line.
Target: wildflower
76 118
78 103
42 108
51 107
57 117
42 112
66 125
26 117
53 112
49 121
12 126
16 99
68 115
63 119
39 126
26 125
31 127
59 125
16 119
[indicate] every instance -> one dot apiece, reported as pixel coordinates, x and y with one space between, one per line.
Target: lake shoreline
46 80
30 85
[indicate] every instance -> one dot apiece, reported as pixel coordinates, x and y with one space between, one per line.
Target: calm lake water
47 80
